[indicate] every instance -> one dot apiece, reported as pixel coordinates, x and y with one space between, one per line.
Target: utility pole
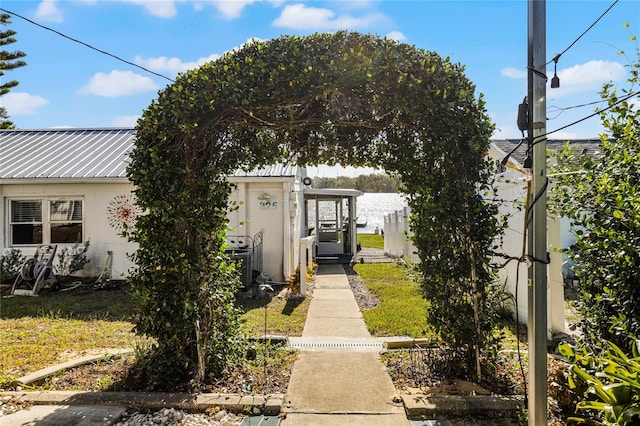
536 217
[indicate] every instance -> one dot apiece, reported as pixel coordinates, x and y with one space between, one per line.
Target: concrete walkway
330 384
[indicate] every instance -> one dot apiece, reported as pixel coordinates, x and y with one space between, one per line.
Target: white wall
281 220
102 236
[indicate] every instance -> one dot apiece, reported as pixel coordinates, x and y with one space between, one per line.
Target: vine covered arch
341 98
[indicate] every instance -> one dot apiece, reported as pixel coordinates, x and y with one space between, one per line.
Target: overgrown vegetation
333 98
601 196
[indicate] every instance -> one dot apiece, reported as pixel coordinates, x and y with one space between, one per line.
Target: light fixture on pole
555 81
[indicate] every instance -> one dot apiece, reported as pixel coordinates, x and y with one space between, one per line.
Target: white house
67 186
511 184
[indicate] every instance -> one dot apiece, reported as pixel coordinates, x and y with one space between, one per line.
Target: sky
67 84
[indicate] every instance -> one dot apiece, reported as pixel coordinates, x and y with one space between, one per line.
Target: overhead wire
563 109
557 57
104 52
539 139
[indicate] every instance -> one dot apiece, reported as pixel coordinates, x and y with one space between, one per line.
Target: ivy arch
341 98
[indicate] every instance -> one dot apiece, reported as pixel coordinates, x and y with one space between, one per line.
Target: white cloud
18 103
118 84
397 36
172 65
160 9
301 17
232 9
48 11
125 121
514 73
587 77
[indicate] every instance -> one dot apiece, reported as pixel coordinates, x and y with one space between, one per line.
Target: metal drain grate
334 345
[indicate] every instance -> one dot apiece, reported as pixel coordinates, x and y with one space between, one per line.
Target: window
46 221
65 221
26 222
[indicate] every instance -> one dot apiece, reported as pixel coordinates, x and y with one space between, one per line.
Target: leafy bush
347 98
601 196
10 263
608 380
72 259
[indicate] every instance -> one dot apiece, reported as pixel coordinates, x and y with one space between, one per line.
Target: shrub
608 380
10 263
601 197
72 260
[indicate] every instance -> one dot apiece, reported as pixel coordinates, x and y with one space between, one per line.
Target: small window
26 222
65 221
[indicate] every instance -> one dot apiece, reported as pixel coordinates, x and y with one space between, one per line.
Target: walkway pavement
331 384
337 380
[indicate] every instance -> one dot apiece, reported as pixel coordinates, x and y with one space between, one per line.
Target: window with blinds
26 222
56 221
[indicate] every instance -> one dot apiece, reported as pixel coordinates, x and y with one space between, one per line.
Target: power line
87 45
557 57
563 109
543 137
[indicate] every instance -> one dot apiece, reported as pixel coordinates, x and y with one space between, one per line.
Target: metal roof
65 153
591 146
332 192
80 154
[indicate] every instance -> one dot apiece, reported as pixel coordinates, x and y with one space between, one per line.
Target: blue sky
66 84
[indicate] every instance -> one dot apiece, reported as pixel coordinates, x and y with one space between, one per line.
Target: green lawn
283 317
371 240
402 310
37 332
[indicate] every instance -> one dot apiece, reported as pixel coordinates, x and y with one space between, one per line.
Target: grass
371 240
402 309
37 332
284 316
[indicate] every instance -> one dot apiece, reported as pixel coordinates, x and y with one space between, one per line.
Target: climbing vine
341 98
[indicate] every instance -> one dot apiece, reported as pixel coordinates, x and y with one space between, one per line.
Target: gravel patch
171 416
364 297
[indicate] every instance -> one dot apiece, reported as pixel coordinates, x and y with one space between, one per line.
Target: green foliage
10 263
72 259
608 380
340 98
601 196
8 62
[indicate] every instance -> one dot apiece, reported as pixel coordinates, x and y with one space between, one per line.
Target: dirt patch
121 374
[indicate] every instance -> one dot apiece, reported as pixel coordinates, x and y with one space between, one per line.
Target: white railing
396 235
307 256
